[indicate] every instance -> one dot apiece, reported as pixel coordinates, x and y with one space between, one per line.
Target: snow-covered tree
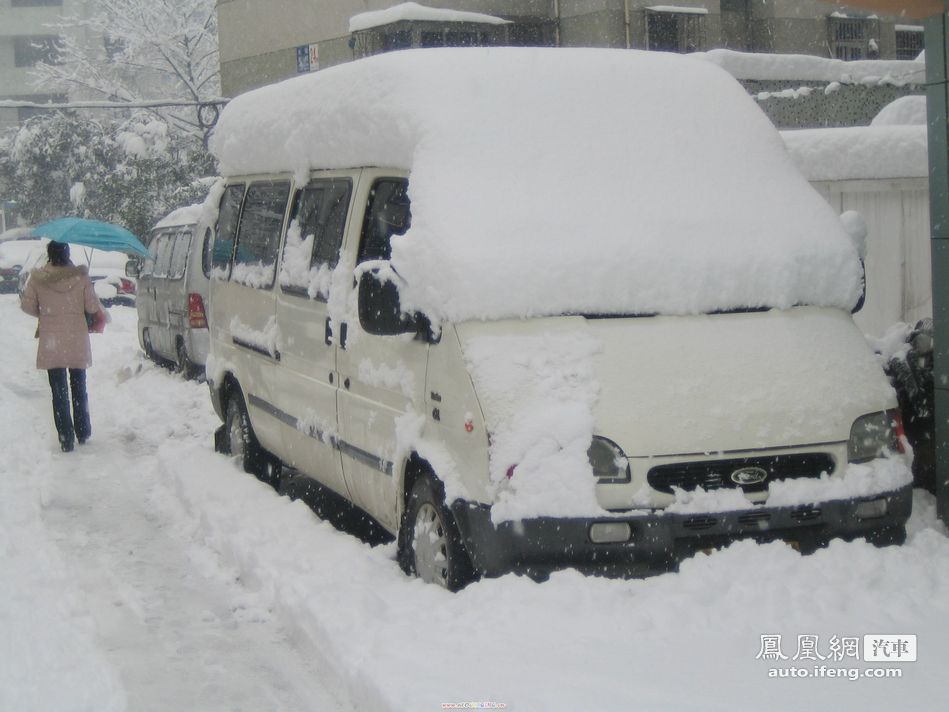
139 50
131 172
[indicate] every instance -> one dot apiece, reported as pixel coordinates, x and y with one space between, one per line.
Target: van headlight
610 464
874 434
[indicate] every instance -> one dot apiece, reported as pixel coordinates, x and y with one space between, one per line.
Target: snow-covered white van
173 289
534 309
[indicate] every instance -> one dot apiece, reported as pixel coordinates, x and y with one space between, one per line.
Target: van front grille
739 472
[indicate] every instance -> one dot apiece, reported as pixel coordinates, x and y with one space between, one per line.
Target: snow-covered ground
145 572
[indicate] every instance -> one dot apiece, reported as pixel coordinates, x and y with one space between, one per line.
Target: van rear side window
258 235
163 259
226 230
314 237
179 255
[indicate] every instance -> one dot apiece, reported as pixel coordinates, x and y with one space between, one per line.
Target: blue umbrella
91 233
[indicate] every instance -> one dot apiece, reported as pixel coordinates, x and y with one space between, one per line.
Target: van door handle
343 331
328 333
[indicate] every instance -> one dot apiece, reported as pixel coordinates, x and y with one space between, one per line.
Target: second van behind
173 291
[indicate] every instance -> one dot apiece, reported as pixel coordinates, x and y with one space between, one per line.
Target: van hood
674 385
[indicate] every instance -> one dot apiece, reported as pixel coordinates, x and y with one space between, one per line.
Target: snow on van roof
859 152
546 181
188 215
411 11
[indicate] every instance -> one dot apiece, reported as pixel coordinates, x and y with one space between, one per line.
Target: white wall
898 265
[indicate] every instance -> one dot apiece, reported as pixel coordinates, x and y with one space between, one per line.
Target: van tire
441 558
183 364
241 441
147 345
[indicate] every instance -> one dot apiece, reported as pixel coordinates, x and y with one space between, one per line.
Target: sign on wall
308 58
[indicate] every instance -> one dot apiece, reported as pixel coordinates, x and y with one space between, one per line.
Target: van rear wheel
183 364
242 443
429 542
147 345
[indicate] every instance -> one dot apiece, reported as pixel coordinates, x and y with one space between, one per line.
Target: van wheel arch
255 459
424 506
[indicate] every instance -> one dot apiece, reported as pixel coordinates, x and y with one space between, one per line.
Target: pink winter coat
60 297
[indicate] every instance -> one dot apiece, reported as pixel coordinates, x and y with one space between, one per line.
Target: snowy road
145 572
177 628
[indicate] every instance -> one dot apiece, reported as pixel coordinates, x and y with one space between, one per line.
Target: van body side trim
386 467
237 341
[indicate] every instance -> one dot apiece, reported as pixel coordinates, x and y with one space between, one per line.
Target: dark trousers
78 425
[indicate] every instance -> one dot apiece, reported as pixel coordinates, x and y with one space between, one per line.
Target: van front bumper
659 540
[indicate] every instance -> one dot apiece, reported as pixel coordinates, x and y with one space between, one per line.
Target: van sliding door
306 380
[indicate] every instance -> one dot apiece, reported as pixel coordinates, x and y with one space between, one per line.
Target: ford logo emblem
749 476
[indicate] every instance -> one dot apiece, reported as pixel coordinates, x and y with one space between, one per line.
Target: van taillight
128 286
197 319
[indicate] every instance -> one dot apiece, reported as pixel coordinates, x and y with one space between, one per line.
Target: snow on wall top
859 152
188 215
907 110
410 11
793 67
658 187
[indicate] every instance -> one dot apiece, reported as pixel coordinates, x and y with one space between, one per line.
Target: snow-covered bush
131 172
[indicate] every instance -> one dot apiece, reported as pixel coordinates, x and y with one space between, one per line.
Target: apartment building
263 42
26 38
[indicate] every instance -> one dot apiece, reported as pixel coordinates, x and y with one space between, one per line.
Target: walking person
61 294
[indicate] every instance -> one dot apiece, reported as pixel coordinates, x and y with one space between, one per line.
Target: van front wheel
429 543
242 443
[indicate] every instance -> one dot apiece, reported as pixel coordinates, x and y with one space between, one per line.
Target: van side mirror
863 289
380 310
856 228
133 268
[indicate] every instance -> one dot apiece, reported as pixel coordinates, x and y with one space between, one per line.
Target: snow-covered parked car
14 255
173 289
106 269
533 309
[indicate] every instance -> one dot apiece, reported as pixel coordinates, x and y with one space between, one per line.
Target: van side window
314 237
388 214
163 260
179 255
258 235
148 264
226 229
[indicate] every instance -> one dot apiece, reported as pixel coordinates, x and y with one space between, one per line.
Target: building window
114 47
408 35
675 31
853 38
37 3
401 39
30 50
909 41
